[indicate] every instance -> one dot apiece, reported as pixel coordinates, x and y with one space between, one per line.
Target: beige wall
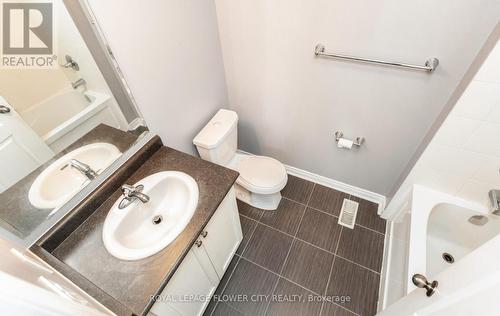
25 88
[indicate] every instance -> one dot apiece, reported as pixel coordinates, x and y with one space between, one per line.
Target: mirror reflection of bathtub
440 231
65 117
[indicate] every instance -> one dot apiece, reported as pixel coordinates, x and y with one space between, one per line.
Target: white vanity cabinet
222 235
189 290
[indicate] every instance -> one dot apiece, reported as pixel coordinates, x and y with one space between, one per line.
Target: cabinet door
188 292
201 254
223 234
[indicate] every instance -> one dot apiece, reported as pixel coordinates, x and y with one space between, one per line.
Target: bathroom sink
142 229
60 182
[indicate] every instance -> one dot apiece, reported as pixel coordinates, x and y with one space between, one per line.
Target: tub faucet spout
495 201
83 168
78 83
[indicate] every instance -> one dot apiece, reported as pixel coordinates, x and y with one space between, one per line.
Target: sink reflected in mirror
146 226
66 176
51 108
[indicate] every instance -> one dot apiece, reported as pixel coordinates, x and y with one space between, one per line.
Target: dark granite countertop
126 287
18 215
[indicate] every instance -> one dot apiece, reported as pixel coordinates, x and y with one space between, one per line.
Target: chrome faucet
78 83
495 201
130 194
71 63
85 169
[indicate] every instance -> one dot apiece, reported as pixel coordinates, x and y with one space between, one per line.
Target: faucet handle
127 189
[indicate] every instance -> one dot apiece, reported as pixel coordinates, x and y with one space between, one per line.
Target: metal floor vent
348 213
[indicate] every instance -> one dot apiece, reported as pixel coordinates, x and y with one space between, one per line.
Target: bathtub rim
425 200
97 104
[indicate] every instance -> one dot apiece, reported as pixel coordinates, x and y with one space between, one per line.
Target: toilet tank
218 140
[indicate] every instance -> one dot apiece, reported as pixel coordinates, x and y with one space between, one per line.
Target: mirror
61 124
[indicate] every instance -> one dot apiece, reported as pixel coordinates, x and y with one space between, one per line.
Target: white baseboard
136 123
334 184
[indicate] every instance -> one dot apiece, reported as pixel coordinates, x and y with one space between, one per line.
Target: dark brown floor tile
319 229
247 227
359 284
227 275
367 215
225 310
208 311
362 246
331 309
268 248
249 279
297 189
327 199
249 211
308 266
286 218
290 299
221 286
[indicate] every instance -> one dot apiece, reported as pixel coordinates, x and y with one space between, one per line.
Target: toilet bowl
261 178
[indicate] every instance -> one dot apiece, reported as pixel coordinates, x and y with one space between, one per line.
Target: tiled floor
298 261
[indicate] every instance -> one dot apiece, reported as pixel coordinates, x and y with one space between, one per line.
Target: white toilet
261 178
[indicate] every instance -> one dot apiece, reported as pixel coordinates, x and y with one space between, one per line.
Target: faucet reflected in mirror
46 114
71 63
495 201
80 82
85 169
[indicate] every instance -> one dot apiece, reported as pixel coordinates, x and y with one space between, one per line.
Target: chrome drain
157 219
448 257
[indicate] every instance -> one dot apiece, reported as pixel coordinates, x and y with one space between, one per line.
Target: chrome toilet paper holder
358 141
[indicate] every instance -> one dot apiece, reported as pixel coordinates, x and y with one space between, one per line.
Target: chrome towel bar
430 64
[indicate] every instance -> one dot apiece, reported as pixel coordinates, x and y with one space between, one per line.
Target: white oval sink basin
60 182
132 233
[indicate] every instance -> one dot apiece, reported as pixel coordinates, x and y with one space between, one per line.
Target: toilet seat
260 174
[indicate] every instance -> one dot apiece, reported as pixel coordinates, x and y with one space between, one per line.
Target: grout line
225 285
310 244
279 275
305 210
331 270
239 259
330 276
310 195
299 239
266 225
289 249
294 283
330 214
251 235
371 229
261 214
359 265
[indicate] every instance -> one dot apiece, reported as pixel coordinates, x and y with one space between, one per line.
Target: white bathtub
65 117
439 223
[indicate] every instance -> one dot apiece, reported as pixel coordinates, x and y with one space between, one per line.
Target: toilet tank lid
217 129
